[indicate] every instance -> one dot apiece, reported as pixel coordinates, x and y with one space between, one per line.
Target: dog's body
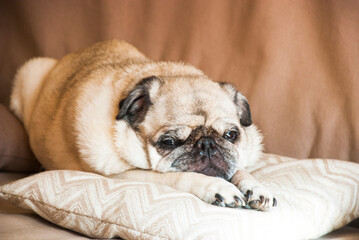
110 110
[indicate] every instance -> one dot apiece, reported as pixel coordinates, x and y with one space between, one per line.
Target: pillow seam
83 215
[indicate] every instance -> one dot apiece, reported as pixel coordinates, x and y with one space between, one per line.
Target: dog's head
186 123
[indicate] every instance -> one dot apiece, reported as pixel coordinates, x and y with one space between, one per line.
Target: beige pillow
314 198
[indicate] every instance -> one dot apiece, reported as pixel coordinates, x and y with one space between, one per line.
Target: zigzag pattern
314 197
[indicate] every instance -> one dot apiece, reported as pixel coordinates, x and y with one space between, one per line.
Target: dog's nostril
206 146
205 142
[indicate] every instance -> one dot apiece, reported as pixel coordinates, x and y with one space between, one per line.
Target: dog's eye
231 135
169 142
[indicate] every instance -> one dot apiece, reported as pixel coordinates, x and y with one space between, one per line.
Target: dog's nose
206 146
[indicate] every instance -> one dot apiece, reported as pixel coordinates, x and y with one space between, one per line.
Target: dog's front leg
213 190
257 196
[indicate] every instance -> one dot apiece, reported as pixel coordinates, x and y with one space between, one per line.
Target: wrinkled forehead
192 103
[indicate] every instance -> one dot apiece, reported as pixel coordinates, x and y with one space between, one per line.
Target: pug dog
110 110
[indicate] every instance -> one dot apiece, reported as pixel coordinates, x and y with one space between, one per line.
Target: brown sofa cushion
296 61
15 152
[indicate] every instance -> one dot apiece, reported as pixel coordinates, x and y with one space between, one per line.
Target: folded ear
241 102
134 107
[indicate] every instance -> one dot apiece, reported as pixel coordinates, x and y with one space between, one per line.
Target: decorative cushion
15 152
314 198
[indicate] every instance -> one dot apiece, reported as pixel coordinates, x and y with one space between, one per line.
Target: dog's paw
224 194
259 198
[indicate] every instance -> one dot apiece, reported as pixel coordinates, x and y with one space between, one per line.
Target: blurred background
296 61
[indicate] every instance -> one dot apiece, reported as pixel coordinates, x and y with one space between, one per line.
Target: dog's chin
214 167
214 172
210 169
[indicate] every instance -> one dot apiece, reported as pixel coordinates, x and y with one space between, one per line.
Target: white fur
129 146
250 147
93 123
27 84
155 159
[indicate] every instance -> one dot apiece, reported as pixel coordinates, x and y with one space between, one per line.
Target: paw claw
238 201
274 202
218 203
219 197
254 204
219 200
248 194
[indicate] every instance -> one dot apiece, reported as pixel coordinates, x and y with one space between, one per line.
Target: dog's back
57 99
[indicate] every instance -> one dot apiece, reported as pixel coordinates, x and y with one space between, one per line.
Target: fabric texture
314 198
15 152
296 61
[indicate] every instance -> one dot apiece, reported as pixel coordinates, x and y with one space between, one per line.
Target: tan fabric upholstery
296 61
30 226
15 152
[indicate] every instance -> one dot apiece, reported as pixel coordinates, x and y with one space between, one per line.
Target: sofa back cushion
15 152
296 61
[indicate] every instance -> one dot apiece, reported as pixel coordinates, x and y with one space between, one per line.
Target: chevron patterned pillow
314 198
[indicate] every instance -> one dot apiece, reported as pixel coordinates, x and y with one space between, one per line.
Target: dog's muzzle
205 157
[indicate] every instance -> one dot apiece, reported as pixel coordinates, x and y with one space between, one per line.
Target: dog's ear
134 107
241 102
